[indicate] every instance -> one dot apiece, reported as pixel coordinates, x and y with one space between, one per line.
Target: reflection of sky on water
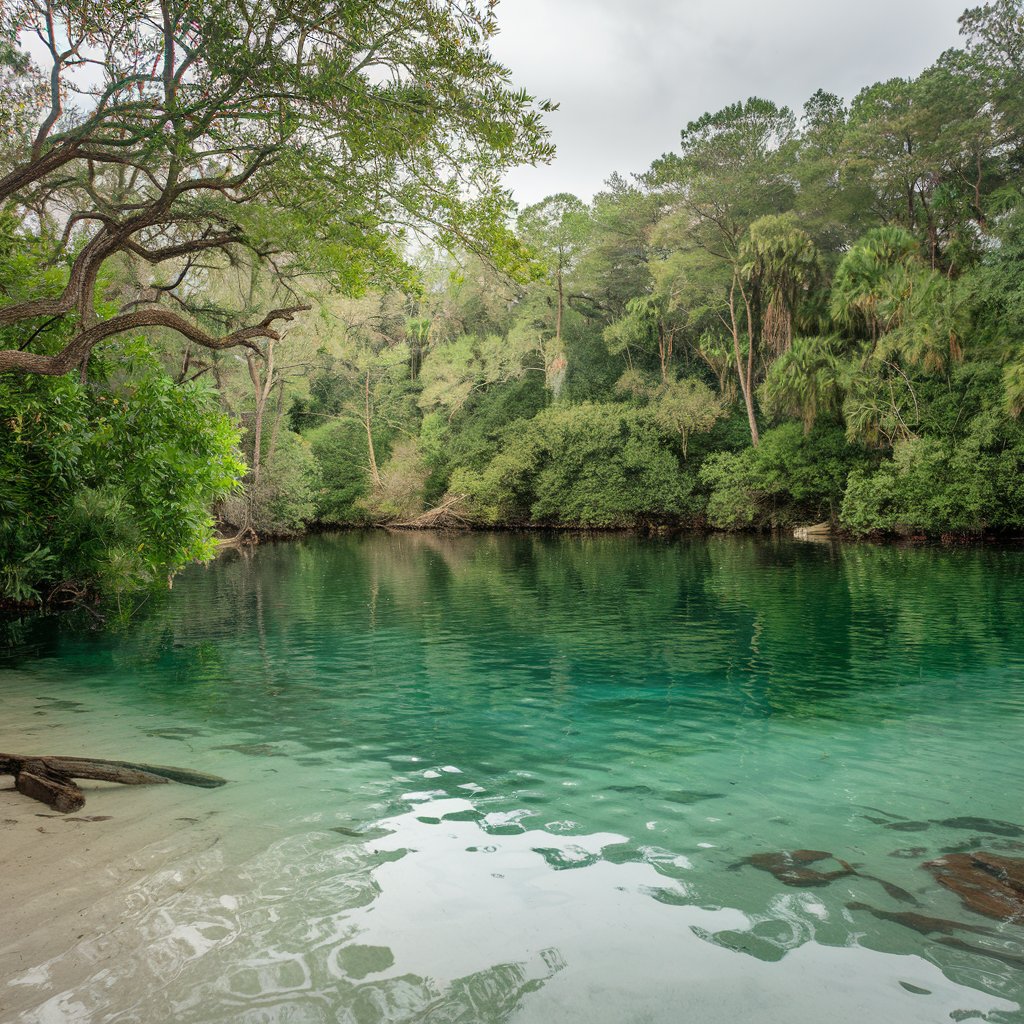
437 919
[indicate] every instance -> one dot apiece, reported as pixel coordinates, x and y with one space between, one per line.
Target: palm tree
870 277
781 259
806 381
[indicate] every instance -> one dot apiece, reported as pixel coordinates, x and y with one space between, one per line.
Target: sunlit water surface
501 778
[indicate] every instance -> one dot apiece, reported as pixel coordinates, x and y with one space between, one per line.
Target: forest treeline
790 317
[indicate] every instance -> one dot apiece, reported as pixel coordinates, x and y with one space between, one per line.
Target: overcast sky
629 74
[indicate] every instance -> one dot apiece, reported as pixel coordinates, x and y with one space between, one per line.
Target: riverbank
71 879
68 878
802 531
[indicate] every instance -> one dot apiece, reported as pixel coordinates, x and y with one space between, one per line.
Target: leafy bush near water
108 486
791 477
285 498
590 465
936 485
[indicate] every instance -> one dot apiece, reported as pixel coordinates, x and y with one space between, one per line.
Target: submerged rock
915 990
988 825
789 867
887 815
921 922
895 891
1008 870
254 749
691 796
985 882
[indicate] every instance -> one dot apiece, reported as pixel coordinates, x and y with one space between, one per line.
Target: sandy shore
71 881
96 906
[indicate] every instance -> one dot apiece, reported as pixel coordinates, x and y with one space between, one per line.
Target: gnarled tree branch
16 361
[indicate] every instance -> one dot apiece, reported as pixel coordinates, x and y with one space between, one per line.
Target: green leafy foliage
779 321
285 498
589 465
807 381
289 139
935 485
340 451
109 485
791 477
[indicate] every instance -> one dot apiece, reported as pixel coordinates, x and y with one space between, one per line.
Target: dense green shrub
792 477
284 500
588 465
107 486
473 436
937 485
340 450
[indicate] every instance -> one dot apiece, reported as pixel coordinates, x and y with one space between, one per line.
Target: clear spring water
513 778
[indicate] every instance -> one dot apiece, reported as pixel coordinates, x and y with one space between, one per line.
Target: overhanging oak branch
13 360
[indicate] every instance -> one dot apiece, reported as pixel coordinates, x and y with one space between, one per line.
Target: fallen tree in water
246 537
449 515
51 779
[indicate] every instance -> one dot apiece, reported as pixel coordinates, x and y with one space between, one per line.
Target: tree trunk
368 423
558 313
746 383
261 392
261 389
275 430
48 787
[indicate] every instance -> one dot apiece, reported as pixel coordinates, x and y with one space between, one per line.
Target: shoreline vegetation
210 316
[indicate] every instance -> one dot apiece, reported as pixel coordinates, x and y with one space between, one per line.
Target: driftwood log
246 537
51 779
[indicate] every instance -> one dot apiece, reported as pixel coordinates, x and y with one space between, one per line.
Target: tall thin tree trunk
275 431
746 382
368 423
261 389
558 313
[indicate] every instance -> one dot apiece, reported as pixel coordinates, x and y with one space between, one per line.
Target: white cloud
629 75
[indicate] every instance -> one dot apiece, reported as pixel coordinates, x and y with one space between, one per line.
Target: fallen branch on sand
51 779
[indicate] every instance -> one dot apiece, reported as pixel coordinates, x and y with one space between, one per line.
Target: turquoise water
500 778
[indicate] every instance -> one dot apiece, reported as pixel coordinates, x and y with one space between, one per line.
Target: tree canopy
188 136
